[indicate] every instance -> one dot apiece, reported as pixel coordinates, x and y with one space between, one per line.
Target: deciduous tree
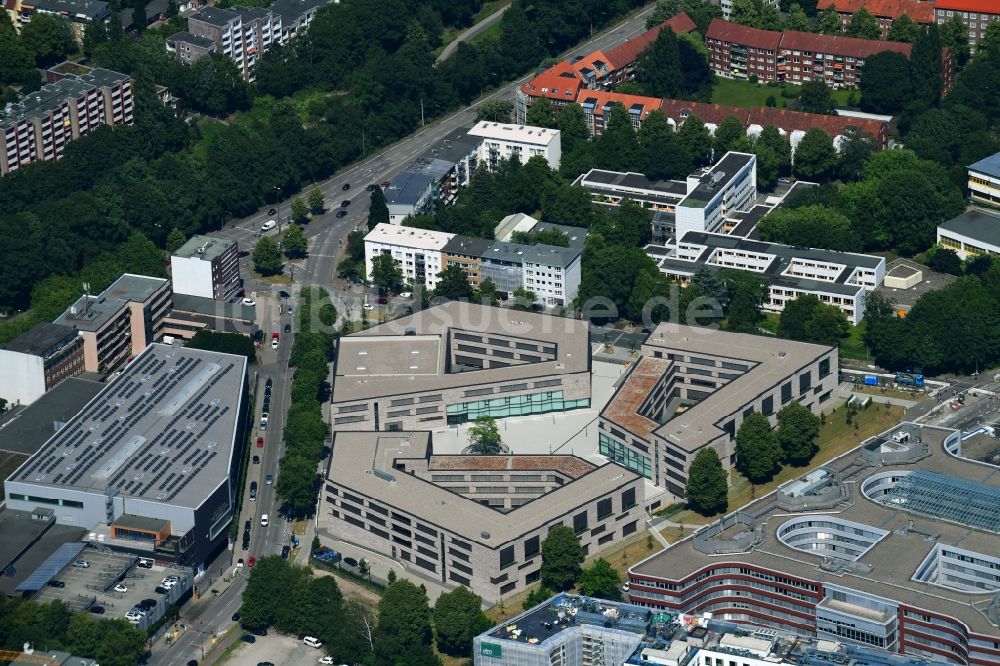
815 156
816 97
706 489
484 437
904 29
386 273
458 618
758 455
562 556
294 242
453 284
378 210
797 431
317 202
863 25
600 580
267 256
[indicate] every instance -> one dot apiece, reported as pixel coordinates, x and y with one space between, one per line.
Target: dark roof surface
39 339
976 223
31 426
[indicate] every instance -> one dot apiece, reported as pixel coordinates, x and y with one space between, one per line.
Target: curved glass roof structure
947 497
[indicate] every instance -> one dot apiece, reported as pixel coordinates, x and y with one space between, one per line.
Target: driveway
276 648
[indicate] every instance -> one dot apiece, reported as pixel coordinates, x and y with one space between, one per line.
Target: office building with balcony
418 252
454 362
296 15
691 389
891 546
37 360
120 322
984 181
242 34
151 464
472 520
410 194
977 15
841 279
39 126
884 11
207 267
973 233
506 141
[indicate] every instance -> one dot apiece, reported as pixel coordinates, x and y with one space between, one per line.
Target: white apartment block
836 278
207 267
727 7
521 142
417 251
714 194
552 273
984 181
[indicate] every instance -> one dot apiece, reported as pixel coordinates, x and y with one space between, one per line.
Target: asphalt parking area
276 648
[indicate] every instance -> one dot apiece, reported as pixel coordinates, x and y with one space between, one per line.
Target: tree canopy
562 556
758 454
707 487
458 618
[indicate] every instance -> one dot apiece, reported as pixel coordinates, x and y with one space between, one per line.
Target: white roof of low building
420 239
539 136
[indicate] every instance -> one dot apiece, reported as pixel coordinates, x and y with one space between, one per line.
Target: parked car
82 564
350 561
97 610
326 660
252 561
341 213
312 642
159 589
121 587
285 550
258 335
148 604
268 479
249 638
256 460
268 384
275 338
260 442
56 583
236 616
146 562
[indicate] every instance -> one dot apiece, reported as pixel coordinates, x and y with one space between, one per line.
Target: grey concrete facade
388 493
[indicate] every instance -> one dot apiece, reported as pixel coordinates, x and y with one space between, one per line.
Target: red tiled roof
559 82
984 6
602 98
625 53
791 121
921 12
725 31
595 62
843 46
713 114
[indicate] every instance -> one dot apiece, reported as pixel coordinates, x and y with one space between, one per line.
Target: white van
312 642
267 226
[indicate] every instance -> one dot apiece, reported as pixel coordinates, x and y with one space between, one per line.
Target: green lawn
733 92
492 31
853 345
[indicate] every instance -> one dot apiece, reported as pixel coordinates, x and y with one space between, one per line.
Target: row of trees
760 452
306 431
40 44
53 626
562 570
291 599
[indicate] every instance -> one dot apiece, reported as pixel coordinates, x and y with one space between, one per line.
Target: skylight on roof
947 497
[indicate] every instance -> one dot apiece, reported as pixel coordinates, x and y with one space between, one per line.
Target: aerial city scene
500 332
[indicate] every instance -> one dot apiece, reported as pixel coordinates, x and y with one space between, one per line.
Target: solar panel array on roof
150 433
947 497
56 562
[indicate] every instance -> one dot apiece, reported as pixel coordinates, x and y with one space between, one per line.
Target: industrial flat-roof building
692 388
893 546
119 322
454 362
37 360
470 520
207 267
150 464
841 279
972 233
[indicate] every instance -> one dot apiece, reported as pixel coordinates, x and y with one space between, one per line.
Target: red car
260 442
252 561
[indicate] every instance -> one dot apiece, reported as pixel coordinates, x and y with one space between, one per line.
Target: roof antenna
86 299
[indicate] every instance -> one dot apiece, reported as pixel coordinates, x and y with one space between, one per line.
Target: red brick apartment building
884 11
739 52
976 14
599 70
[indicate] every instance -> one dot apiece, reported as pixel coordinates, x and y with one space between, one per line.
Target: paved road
327 231
471 33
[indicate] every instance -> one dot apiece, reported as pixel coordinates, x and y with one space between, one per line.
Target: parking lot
94 585
276 648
